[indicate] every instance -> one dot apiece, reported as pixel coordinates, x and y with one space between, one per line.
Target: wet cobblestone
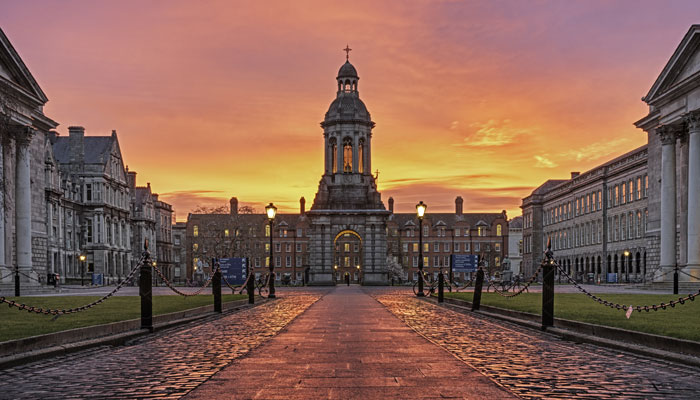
164 365
536 365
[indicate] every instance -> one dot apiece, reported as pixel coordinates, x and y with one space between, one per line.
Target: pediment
13 69
683 65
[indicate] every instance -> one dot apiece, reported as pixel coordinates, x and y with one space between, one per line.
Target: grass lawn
18 324
680 322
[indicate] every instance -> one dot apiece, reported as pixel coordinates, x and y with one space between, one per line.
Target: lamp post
82 269
358 273
271 211
627 266
335 275
420 211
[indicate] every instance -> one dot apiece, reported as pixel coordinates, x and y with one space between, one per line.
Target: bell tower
347 203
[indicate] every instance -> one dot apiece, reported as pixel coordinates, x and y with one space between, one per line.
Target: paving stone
534 364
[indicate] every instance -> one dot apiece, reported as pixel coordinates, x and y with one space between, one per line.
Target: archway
347 256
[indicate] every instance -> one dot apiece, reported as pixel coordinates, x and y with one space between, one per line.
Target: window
498 230
456 231
476 247
195 231
456 247
426 261
278 247
415 246
355 247
497 246
446 247
623 198
298 247
88 192
600 200
426 231
278 262
426 247
436 246
415 261
466 247
346 261
646 185
617 195
298 264
288 261
300 232
267 247
195 247
361 156
404 247
334 153
267 230
288 247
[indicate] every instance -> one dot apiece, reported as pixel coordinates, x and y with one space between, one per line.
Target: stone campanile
347 203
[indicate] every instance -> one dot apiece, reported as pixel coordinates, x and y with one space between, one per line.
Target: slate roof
97 149
450 219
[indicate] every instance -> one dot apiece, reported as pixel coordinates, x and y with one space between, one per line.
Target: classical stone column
355 154
693 121
23 202
339 155
3 181
668 202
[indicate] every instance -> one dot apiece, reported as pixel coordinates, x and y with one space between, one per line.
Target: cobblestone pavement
534 364
164 365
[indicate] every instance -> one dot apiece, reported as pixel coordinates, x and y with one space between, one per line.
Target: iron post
146 290
548 288
478 285
216 285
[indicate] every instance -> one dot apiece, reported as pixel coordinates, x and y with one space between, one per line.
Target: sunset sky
486 100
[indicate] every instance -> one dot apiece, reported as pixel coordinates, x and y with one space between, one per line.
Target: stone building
596 221
673 131
143 215
515 246
24 160
164 237
95 163
179 231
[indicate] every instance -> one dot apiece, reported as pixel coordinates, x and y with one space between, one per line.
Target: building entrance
347 256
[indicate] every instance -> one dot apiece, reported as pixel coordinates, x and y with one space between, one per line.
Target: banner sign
234 270
465 262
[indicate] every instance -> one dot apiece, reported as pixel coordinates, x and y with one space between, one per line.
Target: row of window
438 261
625 226
446 247
618 194
441 231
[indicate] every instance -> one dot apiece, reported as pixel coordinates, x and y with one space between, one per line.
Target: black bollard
250 287
547 293
476 300
146 292
675 281
216 286
441 287
17 282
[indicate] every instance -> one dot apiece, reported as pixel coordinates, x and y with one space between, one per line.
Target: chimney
302 206
52 136
233 206
459 205
76 142
391 204
575 174
131 179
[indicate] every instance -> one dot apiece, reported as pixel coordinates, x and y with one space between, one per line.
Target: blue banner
465 262
234 270
97 279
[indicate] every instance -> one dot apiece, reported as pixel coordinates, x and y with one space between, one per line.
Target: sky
481 99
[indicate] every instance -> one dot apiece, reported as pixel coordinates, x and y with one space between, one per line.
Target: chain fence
630 308
177 291
688 274
525 287
58 312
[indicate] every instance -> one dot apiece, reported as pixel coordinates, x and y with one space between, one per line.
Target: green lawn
18 324
682 322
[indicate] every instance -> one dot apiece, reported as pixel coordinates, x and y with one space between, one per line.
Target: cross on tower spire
347 51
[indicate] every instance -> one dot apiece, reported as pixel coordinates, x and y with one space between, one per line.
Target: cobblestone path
165 365
536 365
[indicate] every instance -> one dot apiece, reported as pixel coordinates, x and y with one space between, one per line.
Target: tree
394 269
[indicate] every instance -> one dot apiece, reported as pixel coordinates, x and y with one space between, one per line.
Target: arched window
498 230
361 156
267 230
334 154
347 155
195 230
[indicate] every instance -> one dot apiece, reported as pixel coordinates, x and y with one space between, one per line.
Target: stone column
23 202
339 156
693 264
355 154
668 202
368 154
3 181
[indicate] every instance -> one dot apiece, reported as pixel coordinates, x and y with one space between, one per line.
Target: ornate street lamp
271 211
627 266
82 269
420 211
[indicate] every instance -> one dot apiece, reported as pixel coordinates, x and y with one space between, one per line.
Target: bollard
547 293
17 282
145 291
675 281
476 300
216 286
441 287
251 286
